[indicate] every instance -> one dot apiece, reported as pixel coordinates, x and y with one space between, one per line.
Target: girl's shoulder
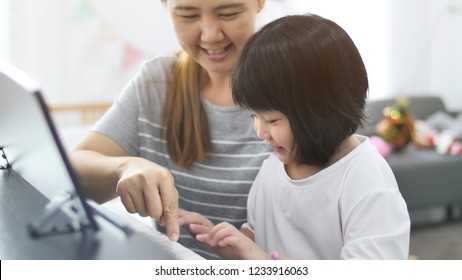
271 163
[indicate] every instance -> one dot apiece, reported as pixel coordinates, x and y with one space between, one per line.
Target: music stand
31 147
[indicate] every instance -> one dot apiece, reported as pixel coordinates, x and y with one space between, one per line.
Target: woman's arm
105 170
96 161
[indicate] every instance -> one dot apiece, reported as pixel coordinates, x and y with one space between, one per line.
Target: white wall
3 29
83 51
77 49
425 49
409 47
367 24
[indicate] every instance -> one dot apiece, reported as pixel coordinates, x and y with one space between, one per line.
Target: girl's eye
253 116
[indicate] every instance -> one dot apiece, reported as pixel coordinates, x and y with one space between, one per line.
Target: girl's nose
261 130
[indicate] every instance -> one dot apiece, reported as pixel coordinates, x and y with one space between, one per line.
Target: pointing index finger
169 196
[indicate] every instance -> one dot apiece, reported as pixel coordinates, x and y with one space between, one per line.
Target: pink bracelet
275 255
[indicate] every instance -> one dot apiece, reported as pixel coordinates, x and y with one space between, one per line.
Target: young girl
325 193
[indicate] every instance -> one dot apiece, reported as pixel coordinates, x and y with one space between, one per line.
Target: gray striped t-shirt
216 187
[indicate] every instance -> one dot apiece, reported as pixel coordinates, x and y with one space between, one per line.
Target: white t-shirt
350 210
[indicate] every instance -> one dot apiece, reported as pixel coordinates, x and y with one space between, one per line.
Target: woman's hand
148 189
106 170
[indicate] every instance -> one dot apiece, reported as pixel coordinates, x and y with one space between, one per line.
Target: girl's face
273 128
214 32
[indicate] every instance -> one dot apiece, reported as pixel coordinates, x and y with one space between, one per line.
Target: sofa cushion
426 178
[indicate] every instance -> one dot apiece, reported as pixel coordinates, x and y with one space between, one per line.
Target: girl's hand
231 243
194 223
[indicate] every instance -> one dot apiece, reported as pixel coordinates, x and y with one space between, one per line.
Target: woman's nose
211 31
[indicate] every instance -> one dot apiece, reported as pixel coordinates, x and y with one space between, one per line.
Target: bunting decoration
131 56
84 12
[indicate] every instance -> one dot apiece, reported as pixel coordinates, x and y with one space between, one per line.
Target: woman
174 138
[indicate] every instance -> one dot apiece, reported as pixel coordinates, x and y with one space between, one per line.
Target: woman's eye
188 17
229 16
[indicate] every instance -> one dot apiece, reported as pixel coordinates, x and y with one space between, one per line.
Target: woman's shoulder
162 64
150 82
153 74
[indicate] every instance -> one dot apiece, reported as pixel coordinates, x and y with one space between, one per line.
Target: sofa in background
425 177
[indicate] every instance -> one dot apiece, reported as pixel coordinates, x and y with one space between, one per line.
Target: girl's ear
261 4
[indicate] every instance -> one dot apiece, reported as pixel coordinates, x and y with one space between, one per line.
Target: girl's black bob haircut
309 69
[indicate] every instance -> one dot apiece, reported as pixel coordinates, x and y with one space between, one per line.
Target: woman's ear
261 4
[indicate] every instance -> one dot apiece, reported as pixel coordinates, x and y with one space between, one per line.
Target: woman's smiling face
213 33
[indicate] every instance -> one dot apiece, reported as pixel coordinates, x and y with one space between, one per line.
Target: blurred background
85 51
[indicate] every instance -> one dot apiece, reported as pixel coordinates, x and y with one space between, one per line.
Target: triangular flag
105 35
131 55
84 11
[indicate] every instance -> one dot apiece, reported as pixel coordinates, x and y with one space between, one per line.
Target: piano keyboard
145 227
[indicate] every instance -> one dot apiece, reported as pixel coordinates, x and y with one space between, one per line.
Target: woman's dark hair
184 118
309 69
